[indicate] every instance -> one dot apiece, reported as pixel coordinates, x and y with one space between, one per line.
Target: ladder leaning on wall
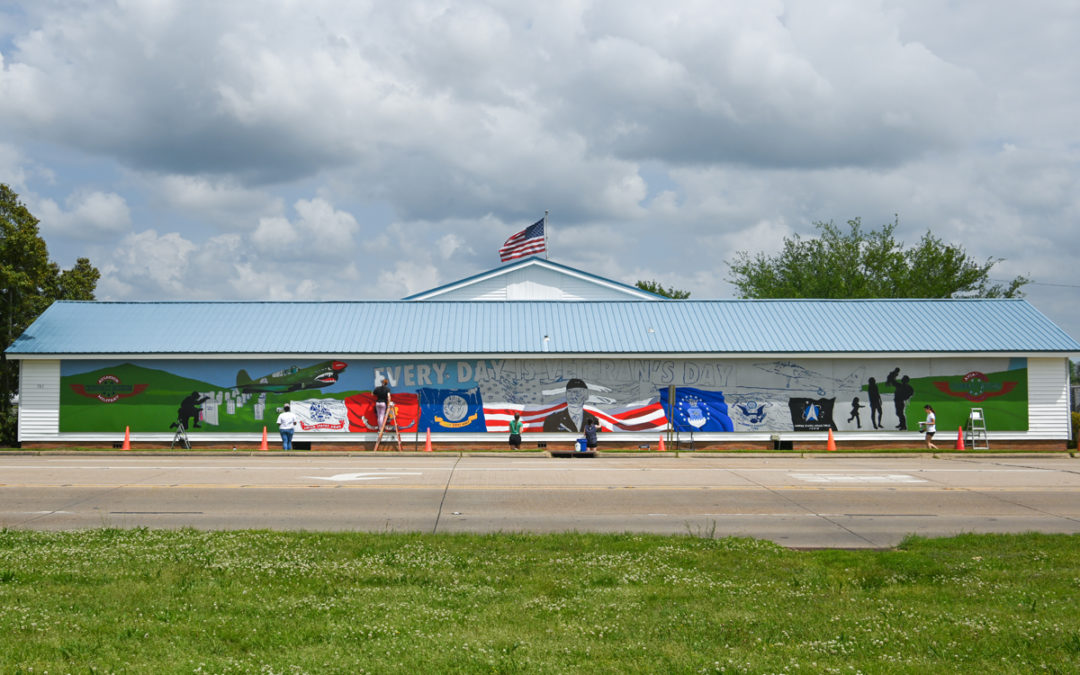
390 423
977 430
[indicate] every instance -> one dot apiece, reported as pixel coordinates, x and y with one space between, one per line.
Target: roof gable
534 279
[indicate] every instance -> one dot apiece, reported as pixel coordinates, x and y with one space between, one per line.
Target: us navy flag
698 410
451 409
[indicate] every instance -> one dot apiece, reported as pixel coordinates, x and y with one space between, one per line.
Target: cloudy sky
315 149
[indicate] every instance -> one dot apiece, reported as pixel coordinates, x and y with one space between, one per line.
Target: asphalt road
834 501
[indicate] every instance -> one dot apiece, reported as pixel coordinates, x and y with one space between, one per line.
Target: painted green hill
157 402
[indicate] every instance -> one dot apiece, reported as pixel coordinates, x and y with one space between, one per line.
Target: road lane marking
553 468
341 477
856 478
815 487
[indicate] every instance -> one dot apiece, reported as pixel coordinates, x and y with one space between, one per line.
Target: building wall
1046 408
39 399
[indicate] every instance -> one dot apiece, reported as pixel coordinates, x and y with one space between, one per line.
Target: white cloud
85 215
146 265
320 234
12 167
219 200
300 150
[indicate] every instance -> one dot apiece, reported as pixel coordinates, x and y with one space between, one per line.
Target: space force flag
698 410
812 414
529 241
451 409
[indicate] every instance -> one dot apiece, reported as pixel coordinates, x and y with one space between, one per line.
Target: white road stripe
342 477
855 478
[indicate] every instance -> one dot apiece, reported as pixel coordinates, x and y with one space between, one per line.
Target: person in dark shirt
591 428
382 401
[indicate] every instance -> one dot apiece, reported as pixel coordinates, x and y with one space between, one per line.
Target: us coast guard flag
529 241
451 409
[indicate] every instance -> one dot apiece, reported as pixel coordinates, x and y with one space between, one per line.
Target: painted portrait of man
571 418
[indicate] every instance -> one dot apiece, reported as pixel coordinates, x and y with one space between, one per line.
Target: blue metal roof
579 327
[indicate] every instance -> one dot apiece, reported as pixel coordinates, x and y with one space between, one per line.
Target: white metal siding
39 400
1048 398
536 283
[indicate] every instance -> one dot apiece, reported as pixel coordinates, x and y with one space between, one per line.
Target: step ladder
389 422
977 430
180 436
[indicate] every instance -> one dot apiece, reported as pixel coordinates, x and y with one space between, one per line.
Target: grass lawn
187 601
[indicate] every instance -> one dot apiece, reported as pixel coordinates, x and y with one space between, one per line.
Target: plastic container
581 445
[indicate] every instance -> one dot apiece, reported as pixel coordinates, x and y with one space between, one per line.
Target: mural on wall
550 395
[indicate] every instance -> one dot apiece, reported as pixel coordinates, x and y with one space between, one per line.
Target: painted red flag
362 415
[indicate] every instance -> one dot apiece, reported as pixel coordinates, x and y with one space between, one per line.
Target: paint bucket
581 445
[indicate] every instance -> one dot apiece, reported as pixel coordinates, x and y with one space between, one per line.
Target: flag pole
545 235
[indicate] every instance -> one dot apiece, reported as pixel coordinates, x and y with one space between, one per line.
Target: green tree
29 283
860 264
656 287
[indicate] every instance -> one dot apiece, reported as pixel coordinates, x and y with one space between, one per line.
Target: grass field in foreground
159 601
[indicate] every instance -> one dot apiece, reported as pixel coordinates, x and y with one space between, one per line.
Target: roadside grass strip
187 601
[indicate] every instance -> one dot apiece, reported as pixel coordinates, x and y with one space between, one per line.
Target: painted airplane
292 379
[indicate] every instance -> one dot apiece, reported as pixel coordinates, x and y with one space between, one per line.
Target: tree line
856 263
29 283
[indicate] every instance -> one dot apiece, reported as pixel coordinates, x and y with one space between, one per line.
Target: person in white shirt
929 426
287 422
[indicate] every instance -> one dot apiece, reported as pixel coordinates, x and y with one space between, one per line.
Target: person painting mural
287 422
382 401
515 431
591 427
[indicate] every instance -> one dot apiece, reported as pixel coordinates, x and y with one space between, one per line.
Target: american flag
529 241
639 416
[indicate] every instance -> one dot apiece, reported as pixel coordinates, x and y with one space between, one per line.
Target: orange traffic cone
263 446
662 448
960 439
830 445
127 439
427 441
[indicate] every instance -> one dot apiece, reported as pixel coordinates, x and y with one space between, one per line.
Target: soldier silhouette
189 408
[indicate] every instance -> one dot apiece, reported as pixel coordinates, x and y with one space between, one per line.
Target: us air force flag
812 414
451 409
698 410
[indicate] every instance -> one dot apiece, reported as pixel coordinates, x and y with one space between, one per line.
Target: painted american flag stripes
645 416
